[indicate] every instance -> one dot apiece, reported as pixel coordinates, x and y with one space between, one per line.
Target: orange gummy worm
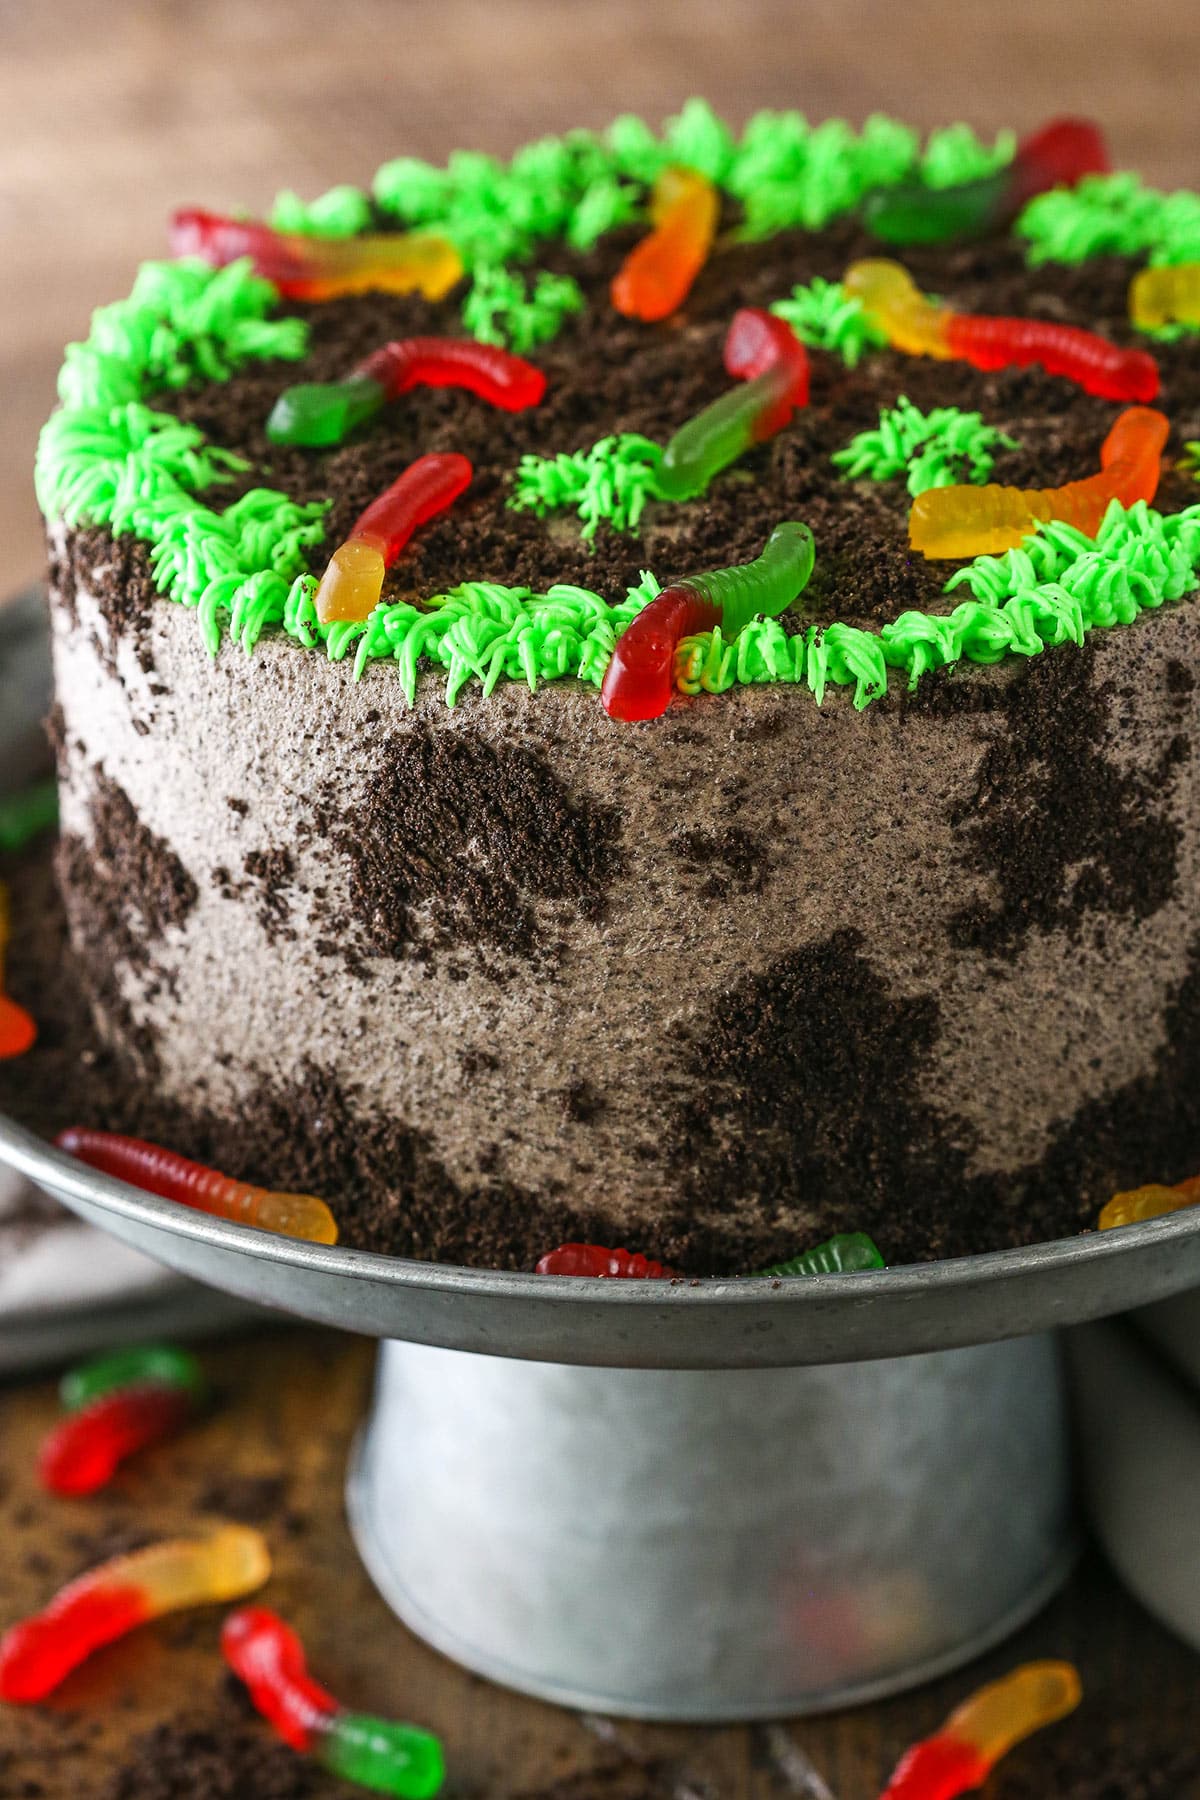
656 277
985 521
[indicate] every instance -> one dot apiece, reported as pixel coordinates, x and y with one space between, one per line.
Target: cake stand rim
934 1298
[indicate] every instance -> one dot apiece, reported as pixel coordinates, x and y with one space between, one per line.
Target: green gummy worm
841 1255
142 1365
25 815
768 585
714 438
915 214
317 413
391 1759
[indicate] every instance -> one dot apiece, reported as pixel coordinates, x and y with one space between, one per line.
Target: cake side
507 974
888 923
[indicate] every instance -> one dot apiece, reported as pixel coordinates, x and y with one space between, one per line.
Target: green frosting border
109 457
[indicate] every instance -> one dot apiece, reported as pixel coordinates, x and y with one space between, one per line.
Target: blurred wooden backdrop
115 112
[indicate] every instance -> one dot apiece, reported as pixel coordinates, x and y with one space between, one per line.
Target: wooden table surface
273 1452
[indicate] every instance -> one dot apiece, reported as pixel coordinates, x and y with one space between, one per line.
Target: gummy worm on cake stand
17 1030
912 212
1153 1201
977 521
843 1254
912 323
306 268
174 1177
320 413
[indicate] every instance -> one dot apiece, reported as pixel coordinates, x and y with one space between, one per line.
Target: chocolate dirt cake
887 922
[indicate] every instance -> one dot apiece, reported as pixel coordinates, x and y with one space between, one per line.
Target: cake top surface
559 436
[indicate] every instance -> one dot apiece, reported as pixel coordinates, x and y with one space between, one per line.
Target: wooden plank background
115 113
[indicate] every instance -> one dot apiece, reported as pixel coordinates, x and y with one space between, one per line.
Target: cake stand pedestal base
704 1545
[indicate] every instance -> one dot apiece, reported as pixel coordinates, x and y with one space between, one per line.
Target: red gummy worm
1099 367
938 1768
267 1655
638 681
82 1454
219 240
1059 155
594 1259
426 488
758 342
495 375
39 1653
143 1165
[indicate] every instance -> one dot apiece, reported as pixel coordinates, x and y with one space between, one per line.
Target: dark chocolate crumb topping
1062 828
457 838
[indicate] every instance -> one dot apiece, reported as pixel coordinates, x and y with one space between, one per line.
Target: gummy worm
141 1365
315 413
1159 296
763 352
1057 156
40 1652
82 1455
910 322
119 1404
17 1029
638 680
983 1729
175 1177
978 521
657 275
305 268
26 815
594 1259
844 1254
387 1757
1150 1202
353 581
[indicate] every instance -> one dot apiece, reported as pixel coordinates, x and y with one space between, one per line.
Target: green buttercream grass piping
339 213
1111 215
1189 462
485 632
106 458
182 322
500 309
1053 590
954 154
938 449
785 172
612 481
825 317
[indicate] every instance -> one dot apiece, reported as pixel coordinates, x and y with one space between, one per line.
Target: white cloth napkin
67 1289
1136 1389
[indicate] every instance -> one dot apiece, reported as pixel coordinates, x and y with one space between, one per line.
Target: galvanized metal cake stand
702 1500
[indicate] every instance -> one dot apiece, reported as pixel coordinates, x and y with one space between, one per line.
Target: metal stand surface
708 1545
